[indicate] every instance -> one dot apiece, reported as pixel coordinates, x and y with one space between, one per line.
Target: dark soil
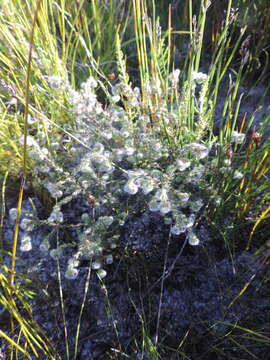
186 298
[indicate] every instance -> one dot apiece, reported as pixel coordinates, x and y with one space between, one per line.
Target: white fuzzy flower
174 77
190 221
27 224
165 207
101 162
160 202
71 272
196 205
56 82
129 151
31 141
182 164
147 186
98 148
89 84
130 187
183 196
199 150
107 135
178 229
26 243
13 214
237 175
162 194
31 120
106 220
199 77
54 190
106 167
183 223
115 99
86 167
119 154
56 217
101 273
97 158
154 205
238 138
193 238
125 134
227 162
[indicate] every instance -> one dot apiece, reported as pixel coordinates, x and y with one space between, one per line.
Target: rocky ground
193 301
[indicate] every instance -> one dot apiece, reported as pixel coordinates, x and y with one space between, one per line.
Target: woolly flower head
183 197
13 214
162 194
27 224
130 187
147 185
89 84
182 223
195 206
54 190
57 82
160 202
238 138
182 165
237 175
193 238
200 151
178 229
174 78
105 221
153 87
138 179
101 162
26 243
31 141
72 269
98 147
199 77
56 217
133 95
196 174
85 101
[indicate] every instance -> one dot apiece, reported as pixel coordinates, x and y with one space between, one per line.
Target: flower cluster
113 157
27 224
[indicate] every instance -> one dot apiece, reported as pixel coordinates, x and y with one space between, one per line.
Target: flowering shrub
120 164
